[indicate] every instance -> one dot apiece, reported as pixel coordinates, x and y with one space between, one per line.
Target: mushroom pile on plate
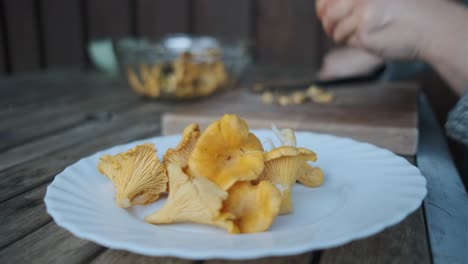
221 177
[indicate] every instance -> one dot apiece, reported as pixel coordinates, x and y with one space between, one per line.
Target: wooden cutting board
384 114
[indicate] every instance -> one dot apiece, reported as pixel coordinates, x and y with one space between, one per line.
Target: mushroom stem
124 202
286 203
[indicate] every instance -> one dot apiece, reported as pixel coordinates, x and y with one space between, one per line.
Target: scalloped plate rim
232 253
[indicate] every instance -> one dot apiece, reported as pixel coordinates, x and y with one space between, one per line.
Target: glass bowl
181 66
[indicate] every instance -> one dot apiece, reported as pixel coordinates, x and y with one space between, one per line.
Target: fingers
331 12
320 7
345 29
353 41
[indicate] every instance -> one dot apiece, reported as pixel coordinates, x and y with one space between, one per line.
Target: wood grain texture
142 121
27 235
446 204
108 18
31 92
403 243
22 215
223 18
52 143
19 179
62 33
156 18
118 256
23 129
382 114
297 259
23 35
288 33
49 244
25 212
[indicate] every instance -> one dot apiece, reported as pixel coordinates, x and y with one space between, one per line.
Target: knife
286 85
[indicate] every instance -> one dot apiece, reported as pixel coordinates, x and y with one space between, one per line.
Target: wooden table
50 120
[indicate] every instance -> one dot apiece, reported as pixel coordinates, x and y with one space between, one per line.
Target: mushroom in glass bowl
181 66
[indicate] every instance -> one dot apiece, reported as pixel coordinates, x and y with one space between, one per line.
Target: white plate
366 189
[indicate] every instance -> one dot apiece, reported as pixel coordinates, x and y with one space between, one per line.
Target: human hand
394 29
348 62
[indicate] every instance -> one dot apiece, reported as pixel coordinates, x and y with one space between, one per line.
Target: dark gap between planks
316 257
81 118
47 182
55 152
119 109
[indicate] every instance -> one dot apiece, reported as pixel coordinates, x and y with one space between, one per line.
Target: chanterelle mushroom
193 199
181 153
254 206
310 176
137 175
282 167
227 152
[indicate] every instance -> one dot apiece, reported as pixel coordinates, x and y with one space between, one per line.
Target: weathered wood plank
49 144
118 256
223 18
403 243
156 18
142 121
26 212
23 215
23 37
305 258
16 107
26 97
108 18
22 116
49 244
29 91
446 204
24 128
392 123
287 33
62 33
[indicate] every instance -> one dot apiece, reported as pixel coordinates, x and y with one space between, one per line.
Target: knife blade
288 85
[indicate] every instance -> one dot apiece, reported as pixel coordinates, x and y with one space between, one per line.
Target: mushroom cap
192 199
181 153
227 152
137 175
282 167
254 206
310 176
289 151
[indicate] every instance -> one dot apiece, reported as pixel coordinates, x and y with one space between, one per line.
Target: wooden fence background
43 34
